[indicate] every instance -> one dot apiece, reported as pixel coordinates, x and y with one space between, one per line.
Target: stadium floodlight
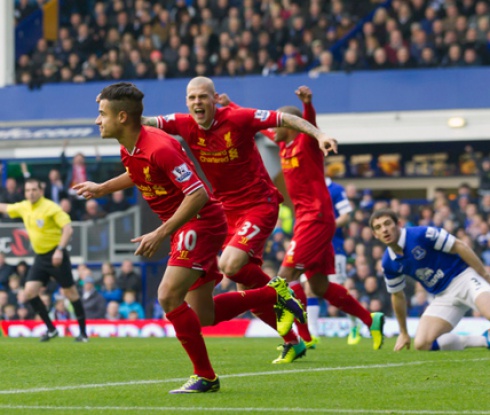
456 122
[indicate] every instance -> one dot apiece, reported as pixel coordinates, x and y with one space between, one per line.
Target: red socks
232 304
188 331
338 296
303 330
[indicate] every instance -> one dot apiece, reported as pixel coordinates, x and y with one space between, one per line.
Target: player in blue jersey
446 267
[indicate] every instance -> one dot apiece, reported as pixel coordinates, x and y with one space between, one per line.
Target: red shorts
196 245
311 248
248 230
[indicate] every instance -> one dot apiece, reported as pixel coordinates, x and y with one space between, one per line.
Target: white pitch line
237 375
250 409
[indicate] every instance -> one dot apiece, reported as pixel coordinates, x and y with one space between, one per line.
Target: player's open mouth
200 114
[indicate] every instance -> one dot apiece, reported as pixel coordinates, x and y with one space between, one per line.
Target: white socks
451 341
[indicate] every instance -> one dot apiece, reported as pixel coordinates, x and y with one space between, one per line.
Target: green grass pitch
133 376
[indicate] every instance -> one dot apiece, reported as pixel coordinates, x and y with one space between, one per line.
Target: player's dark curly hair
124 96
380 213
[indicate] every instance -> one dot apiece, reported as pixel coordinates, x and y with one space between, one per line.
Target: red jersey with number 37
163 173
228 154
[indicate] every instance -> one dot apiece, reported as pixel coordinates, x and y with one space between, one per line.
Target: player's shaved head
124 96
202 81
291 109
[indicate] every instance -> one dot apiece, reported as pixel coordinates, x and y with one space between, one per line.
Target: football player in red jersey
222 140
311 250
191 217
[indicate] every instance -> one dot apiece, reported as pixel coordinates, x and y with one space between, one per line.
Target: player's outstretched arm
304 94
326 143
91 190
399 303
468 255
149 121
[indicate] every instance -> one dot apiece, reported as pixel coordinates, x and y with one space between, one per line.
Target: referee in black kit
49 229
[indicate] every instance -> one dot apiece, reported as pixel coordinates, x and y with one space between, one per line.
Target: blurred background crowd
160 39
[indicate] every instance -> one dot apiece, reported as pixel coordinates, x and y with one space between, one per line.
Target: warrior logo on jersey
418 253
127 171
146 172
182 173
40 223
201 142
261 115
169 117
228 141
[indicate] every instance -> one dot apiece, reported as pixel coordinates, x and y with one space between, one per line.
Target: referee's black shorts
42 270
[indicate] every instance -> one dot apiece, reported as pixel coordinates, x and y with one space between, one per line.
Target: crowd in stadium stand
150 39
106 293
58 183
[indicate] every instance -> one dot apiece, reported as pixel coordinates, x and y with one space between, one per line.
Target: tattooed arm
325 142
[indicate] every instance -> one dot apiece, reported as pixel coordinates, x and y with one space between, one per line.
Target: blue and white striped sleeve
343 206
395 284
444 241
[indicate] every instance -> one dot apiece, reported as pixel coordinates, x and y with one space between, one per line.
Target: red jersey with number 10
163 173
228 154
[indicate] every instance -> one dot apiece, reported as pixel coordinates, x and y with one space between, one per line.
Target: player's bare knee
230 267
168 300
422 344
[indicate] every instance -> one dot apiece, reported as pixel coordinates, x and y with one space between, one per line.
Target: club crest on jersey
40 223
182 173
201 142
418 253
261 115
169 117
